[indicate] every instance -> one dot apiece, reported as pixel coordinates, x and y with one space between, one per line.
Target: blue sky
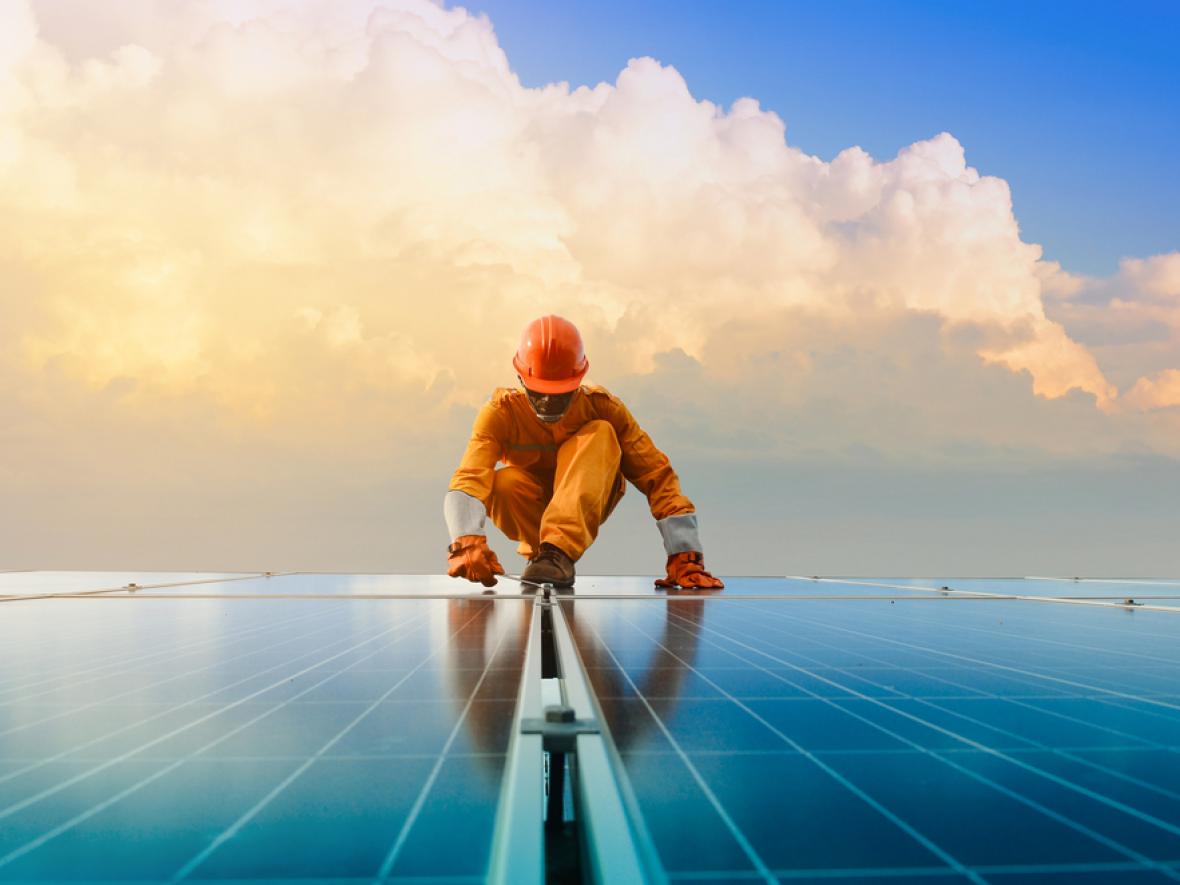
1076 105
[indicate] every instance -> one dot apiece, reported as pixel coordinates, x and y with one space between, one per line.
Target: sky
898 294
1072 104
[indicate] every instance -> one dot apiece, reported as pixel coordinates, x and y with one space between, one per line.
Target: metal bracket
559 729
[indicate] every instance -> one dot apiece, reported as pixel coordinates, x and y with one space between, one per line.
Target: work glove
687 571
470 557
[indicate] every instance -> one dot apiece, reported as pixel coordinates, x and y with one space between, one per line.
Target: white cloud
236 141
281 219
1130 322
1157 277
1160 392
261 257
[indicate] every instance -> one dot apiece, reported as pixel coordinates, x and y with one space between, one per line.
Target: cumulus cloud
322 225
192 173
1130 321
1158 392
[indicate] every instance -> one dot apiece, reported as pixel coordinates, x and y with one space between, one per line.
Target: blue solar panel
253 739
983 740
351 727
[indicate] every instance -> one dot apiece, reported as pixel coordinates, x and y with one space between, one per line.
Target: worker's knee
601 433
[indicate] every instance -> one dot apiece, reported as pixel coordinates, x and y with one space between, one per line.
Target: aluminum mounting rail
613 842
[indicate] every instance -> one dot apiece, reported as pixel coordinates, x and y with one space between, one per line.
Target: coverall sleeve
645 466
489 436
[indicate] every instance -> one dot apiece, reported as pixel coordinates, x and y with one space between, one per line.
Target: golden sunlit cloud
276 208
261 259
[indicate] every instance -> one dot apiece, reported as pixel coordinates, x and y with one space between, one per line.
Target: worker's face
549 407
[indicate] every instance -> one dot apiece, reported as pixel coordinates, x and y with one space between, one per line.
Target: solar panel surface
350 727
253 738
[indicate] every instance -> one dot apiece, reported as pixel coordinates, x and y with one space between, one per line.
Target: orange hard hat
551 358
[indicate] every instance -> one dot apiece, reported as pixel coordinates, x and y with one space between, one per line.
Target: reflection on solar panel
406 729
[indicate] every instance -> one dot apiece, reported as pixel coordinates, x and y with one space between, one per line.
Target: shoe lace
550 553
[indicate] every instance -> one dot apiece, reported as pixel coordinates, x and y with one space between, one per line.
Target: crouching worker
569 451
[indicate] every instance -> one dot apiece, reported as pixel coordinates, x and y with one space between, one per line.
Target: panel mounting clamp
560 728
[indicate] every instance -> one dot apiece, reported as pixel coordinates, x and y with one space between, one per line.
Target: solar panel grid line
395 850
37 643
1133 627
1140 740
34 644
168 709
1128 627
251 576
947 857
1063 752
1072 869
101 806
751 854
15 807
169 652
98 624
1111 772
1123 704
143 654
1067 753
899 873
236 826
1028 704
993 665
1042 640
1153 687
1015 701
1082 828
886 751
139 688
360 757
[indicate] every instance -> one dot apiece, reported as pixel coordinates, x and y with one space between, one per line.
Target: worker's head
550 364
549 407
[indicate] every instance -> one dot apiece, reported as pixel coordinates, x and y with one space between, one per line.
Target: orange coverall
562 479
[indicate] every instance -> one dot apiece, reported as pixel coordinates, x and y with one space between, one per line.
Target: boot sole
537 583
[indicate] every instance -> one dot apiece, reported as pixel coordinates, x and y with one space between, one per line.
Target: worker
569 450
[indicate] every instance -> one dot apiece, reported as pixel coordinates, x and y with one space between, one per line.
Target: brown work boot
549 566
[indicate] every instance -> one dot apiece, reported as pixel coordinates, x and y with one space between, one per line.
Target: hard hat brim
546 385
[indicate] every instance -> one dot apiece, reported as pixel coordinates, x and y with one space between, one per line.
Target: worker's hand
687 571
470 557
